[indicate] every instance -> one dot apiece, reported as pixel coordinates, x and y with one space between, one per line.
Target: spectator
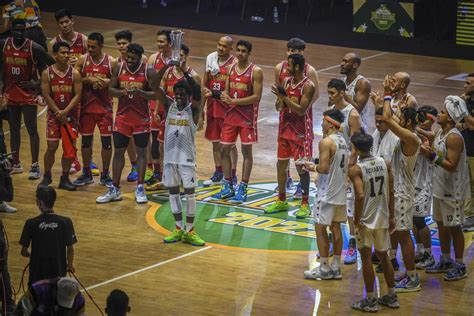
58 296
8 305
6 184
51 237
117 303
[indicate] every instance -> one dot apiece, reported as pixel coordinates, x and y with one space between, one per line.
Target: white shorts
450 212
422 205
325 213
173 174
350 200
403 214
367 237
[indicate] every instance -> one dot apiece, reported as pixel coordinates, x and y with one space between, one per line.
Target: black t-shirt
469 134
49 235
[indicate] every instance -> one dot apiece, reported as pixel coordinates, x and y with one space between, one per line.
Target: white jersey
375 213
394 104
403 169
450 185
423 176
346 130
351 92
384 146
180 131
332 186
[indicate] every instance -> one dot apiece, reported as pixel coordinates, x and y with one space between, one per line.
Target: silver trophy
176 41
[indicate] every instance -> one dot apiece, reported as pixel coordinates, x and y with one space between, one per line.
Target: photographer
8 305
6 185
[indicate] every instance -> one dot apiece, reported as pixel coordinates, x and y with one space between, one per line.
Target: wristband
432 156
387 94
387 98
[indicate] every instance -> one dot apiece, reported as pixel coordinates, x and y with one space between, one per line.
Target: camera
5 164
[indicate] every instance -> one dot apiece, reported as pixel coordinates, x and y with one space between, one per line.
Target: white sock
176 208
336 262
189 226
325 264
419 248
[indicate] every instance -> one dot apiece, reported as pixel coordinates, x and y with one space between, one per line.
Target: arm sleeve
25 238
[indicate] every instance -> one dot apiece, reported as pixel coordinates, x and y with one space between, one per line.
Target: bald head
399 82
224 46
404 77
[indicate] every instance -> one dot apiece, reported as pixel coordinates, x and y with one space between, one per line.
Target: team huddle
383 184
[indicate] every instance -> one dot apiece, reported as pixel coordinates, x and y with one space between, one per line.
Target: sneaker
112 195
83 180
193 238
140 196
227 191
241 195
298 195
157 176
457 272
303 212
65 184
336 273
105 178
366 305
389 301
318 274
133 175
45 182
396 266
148 175
426 261
442 266
289 185
351 256
408 285
75 166
34 173
215 179
155 186
94 169
16 168
276 207
5 208
468 225
418 256
399 277
175 236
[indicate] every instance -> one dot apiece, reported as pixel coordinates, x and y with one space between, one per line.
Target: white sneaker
5 208
16 169
140 196
112 195
35 172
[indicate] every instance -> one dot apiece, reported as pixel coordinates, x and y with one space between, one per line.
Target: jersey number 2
372 186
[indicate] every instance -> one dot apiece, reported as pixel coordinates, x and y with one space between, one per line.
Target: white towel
212 63
456 107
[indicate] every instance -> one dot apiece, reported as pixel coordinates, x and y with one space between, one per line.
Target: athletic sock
304 199
233 172
219 169
391 291
325 264
460 260
336 262
190 211
419 248
156 167
149 165
282 197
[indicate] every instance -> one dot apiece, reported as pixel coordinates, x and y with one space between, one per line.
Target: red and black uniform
18 65
295 132
62 92
96 104
78 45
285 74
133 111
240 119
158 126
216 109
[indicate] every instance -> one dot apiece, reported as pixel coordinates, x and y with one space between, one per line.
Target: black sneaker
396 266
65 184
105 179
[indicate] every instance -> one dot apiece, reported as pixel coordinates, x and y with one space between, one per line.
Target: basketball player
131 83
374 219
450 187
61 87
158 61
384 140
214 80
357 86
123 39
401 99
330 205
295 131
352 123
403 164
426 117
96 107
183 114
21 59
170 78
295 46
243 93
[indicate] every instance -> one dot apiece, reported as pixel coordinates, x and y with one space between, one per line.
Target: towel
212 63
456 108
68 137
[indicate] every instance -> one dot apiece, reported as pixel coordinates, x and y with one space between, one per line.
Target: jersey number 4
381 180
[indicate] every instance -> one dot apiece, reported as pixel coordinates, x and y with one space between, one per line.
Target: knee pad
106 142
419 222
87 141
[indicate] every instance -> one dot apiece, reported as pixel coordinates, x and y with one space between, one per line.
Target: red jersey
62 86
78 47
157 65
285 74
241 86
95 100
170 78
128 80
293 126
216 108
18 65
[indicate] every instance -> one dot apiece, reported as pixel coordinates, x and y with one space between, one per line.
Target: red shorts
53 127
294 149
229 133
88 121
214 127
130 123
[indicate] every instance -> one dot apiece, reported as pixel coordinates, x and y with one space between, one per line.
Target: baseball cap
68 288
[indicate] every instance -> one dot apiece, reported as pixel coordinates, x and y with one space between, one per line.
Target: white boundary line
148 268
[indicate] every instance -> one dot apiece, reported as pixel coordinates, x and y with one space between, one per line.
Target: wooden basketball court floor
119 248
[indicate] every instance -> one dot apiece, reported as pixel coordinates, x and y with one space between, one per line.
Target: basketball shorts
229 134
378 238
450 212
422 205
350 200
173 174
403 214
294 149
326 213
88 122
130 123
214 127
53 127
